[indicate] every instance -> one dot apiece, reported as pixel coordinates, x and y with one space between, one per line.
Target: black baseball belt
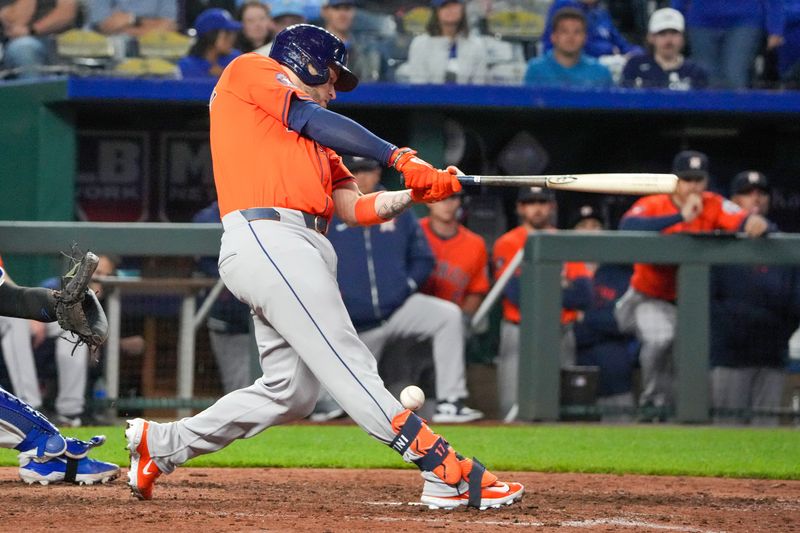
315 222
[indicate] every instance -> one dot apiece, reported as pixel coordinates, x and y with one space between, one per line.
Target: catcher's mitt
77 307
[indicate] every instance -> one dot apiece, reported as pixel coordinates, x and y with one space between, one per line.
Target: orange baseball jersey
506 247
461 264
658 281
258 160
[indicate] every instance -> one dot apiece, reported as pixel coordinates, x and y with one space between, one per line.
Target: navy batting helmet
309 51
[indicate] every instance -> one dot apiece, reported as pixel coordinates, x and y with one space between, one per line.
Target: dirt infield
206 500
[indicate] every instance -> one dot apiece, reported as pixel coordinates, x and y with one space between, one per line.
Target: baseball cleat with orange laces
143 471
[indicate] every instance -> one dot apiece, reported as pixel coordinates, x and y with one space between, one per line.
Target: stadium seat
85 48
169 45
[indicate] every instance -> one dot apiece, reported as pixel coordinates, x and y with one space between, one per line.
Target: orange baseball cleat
478 488
143 471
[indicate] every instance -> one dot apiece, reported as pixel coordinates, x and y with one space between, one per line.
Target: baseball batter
279 179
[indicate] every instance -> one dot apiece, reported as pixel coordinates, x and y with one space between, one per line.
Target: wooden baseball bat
618 183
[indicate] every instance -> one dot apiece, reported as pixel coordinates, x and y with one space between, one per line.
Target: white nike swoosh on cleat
146 468
503 488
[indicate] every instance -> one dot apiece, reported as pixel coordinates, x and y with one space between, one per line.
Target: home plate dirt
205 500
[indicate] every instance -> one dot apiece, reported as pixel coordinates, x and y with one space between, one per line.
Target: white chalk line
582 524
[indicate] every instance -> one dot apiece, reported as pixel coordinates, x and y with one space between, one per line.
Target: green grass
697 451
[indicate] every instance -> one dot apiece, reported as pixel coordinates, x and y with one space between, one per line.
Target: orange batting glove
445 184
417 174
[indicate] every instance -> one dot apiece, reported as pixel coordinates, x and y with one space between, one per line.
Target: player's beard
314 92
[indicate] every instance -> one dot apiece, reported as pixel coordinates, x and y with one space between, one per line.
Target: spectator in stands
27 27
789 52
536 208
566 65
213 49
228 322
648 307
603 38
461 273
362 59
132 17
755 310
257 26
726 36
446 53
597 338
285 13
665 67
191 9
380 270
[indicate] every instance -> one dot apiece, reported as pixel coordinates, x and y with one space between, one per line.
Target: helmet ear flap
319 73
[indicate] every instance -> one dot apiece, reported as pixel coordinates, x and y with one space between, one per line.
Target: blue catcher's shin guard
36 431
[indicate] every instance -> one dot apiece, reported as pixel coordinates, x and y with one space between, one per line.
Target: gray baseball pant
653 321
286 273
747 388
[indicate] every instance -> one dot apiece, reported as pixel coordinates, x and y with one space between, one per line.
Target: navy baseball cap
334 3
440 3
690 165
215 19
358 164
746 181
586 212
535 194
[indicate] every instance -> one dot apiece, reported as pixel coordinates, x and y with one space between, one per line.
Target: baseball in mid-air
412 397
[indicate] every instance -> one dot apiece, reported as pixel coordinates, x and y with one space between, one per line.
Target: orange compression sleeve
366 215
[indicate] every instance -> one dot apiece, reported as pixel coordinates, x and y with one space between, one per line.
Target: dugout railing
539 366
539 369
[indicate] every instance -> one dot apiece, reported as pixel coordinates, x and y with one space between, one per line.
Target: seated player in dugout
647 309
279 180
74 366
755 311
461 274
536 208
597 338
